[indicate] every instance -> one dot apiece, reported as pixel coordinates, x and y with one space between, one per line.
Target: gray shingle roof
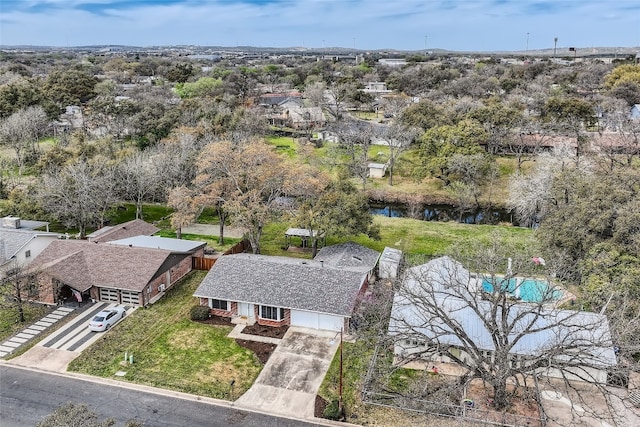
81 264
11 240
348 256
282 282
136 227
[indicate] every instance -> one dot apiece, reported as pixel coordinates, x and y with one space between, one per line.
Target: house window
219 304
27 254
271 313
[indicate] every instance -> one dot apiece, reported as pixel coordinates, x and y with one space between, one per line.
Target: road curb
174 394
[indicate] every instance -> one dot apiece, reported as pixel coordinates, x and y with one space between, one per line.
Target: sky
460 25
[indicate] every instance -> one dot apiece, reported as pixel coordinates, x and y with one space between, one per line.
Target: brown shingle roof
136 227
81 264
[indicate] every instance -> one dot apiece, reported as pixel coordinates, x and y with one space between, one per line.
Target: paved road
26 397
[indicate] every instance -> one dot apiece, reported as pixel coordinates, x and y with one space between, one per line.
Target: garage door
107 294
130 297
312 320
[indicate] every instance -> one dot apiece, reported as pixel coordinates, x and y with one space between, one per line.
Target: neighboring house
19 243
116 272
136 227
376 87
276 291
584 335
350 256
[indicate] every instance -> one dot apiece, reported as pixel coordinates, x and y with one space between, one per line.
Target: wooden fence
202 263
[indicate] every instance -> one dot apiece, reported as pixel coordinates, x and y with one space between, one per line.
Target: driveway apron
290 379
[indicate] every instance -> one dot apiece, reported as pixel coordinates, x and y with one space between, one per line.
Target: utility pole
340 407
527 42
425 43
555 45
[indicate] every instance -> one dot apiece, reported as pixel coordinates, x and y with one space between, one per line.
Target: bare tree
139 179
17 286
354 138
181 200
398 138
79 415
248 178
530 194
76 195
21 131
474 318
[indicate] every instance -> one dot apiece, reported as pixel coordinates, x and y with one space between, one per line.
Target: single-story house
277 291
136 227
116 272
19 243
451 323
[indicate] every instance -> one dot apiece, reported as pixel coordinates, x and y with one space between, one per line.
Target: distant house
136 227
376 88
274 291
20 244
277 99
133 271
584 337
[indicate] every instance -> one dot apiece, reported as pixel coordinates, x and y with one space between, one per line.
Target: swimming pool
527 290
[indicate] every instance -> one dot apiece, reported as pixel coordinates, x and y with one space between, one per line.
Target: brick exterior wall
46 289
276 323
179 271
221 313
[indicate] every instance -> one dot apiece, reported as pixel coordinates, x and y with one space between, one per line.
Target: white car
106 318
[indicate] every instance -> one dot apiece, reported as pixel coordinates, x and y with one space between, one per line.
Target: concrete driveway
56 351
290 380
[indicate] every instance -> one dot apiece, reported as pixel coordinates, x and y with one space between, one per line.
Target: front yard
171 351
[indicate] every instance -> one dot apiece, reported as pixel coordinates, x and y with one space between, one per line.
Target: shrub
332 411
199 312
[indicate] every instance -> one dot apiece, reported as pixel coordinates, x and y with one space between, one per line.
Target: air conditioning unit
161 287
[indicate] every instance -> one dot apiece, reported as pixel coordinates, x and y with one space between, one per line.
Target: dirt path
212 230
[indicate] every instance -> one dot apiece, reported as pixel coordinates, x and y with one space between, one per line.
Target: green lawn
429 238
9 324
171 351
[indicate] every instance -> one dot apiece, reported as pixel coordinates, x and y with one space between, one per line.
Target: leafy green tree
18 95
438 144
425 115
204 86
573 115
69 86
180 73
333 208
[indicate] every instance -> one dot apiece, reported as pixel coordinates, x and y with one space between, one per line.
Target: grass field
429 238
171 351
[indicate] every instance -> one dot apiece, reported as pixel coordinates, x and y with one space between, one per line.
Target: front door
245 309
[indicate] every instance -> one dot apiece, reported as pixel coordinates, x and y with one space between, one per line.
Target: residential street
26 397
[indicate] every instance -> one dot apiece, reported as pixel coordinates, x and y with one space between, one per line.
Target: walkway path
16 341
212 230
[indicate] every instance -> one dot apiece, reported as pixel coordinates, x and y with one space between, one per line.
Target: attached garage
308 319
